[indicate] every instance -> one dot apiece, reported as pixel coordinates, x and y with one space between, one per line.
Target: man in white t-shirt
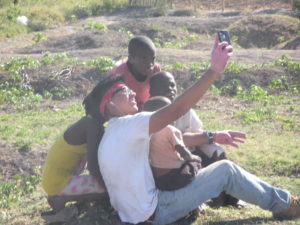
124 150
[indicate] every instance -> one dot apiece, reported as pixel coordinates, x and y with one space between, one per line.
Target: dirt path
85 44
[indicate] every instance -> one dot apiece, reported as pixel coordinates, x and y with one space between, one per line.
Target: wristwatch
210 136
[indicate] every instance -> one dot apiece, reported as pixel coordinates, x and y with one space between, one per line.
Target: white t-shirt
189 122
123 157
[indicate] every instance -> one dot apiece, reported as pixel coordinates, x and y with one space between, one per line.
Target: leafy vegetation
17 91
12 191
45 14
96 26
39 37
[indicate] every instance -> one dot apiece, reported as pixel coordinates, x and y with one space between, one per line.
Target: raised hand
229 137
220 54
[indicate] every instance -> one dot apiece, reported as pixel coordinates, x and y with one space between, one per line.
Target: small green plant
196 69
255 94
214 89
233 88
233 67
280 83
286 62
181 43
281 39
18 63
73 18
176 66
185 29
62 59
11 191
199 67
104 64
157 42
129 34
234 38
39 37
96 26
256 114
22 96
59 93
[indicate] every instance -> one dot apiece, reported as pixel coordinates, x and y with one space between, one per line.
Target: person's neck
138 76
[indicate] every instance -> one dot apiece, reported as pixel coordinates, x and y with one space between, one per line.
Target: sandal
64 215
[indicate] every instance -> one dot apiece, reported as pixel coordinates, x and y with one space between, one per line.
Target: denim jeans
221 176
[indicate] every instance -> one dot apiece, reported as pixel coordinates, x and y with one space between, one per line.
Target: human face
143 61
123 102
164 86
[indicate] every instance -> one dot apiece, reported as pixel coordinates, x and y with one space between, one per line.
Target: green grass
44 14
268 152
271 151
38 127
271 148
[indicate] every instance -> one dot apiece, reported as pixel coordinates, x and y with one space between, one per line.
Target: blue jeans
221 176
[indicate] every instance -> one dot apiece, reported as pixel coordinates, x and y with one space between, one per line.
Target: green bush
39 37
296 5
10 29
41 18
96 26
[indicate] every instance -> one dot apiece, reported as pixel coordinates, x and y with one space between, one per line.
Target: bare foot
57 203
64 215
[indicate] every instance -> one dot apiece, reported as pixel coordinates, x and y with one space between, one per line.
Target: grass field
30 119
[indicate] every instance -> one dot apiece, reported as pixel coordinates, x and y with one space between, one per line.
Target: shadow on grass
251 220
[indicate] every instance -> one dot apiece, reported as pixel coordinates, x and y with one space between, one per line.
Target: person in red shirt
138 67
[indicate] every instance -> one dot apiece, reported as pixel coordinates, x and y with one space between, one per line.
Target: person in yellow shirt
63 179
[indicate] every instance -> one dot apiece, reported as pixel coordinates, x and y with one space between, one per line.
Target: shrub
296 5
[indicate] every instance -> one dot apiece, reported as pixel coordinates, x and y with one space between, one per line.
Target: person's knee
227 166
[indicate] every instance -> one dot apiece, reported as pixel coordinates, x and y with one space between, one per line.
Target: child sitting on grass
200 142
138 67
173 166
62 177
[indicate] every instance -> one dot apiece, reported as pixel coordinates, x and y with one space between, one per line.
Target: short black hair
155 78
155 103
140 43
92 101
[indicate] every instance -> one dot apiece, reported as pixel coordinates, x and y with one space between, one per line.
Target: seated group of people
147 152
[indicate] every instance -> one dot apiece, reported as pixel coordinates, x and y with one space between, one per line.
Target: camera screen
224 36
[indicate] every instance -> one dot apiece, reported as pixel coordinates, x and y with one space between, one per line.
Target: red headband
107 96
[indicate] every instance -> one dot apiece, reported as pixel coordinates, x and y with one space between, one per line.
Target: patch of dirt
76 79
264 31
19 162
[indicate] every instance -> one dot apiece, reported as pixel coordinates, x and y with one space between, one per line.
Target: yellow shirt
60 164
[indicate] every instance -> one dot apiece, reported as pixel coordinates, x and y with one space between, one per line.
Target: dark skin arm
186 154
87 130
94 135
76 134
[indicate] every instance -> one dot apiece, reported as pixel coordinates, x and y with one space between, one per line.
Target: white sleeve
195 123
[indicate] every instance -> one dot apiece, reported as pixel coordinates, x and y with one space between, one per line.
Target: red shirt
140 88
